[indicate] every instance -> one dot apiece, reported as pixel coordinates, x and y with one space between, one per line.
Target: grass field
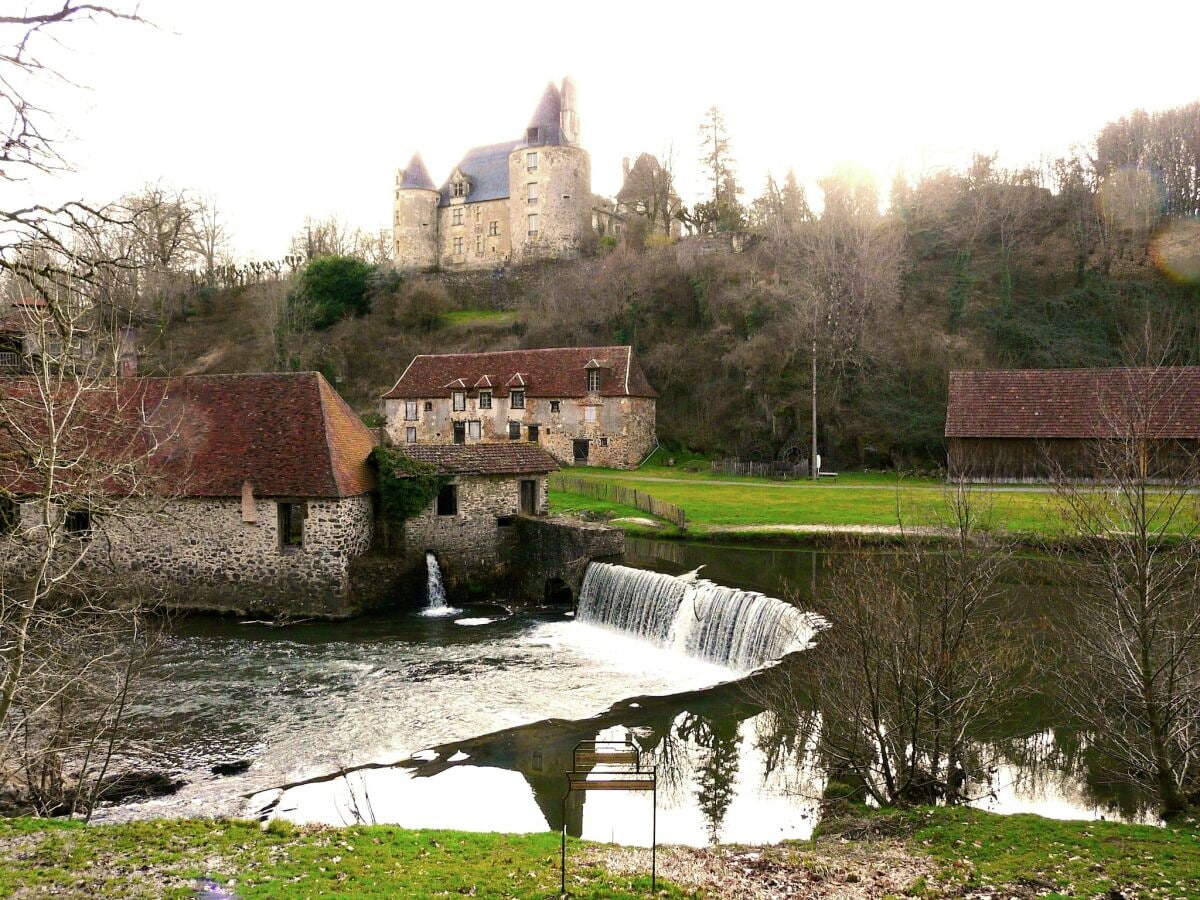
479 317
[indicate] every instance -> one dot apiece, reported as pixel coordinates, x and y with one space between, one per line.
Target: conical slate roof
416 176
547 117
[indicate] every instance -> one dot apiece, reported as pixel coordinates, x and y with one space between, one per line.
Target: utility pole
812 460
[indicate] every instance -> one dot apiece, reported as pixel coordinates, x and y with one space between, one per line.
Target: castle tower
415 218
550 181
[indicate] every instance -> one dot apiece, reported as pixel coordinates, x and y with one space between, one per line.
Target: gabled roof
487 169
483 459
289 434
556 372
416 176
1075 403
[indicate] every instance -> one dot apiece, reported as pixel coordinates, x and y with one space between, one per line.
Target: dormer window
517 399
459 400
459 188
593 381
532 135
485 399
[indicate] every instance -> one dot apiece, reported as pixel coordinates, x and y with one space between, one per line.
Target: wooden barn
1031 425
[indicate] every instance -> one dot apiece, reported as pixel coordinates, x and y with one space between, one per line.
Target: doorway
581 450
529 497
460 432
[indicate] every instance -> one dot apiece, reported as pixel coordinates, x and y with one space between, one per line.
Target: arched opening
558 592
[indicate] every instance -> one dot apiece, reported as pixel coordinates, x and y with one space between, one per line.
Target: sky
281 110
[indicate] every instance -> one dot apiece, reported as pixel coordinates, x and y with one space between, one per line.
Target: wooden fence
615 493
745 467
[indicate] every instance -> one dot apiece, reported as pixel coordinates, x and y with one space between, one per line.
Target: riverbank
857 853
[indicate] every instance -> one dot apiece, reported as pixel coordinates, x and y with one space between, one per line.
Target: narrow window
531 161
517 400
533 434
589 414
493 228
474 431
478 244
485 399
457 216
532 193
554 406
514 431
410 434
428 406
10 515
460 401
410 410
291 523
447 500
593 378
78 523
458 246
533 224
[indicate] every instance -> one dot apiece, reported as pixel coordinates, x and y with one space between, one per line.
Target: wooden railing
615 493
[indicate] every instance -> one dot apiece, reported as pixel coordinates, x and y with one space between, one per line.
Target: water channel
467 719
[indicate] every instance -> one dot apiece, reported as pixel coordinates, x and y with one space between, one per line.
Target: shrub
330 288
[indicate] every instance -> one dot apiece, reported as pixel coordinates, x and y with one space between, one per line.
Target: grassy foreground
934 853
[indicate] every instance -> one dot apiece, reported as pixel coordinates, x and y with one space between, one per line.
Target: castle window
533 224
493 228
531 135
458 246
514 431
593 380
458 189
485 399
447 500
410 434
410 410
478 214
478 245
457 216
531 161
460 401
532 192
474 430
517 400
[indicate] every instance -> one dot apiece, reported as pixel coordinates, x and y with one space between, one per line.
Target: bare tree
913 668
1133 677
649 191
209 236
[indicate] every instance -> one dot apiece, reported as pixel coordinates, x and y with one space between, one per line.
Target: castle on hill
512 202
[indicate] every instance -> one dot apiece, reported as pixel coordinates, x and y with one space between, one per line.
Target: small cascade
435 591
739 629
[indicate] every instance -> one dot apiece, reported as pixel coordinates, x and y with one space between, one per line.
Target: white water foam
436 604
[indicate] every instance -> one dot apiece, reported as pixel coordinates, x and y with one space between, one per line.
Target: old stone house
256 494
515 201
585 405
1036 425
469 523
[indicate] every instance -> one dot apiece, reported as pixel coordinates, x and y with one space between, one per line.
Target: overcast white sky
286 109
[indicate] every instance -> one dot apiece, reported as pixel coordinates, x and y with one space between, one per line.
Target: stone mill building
516 201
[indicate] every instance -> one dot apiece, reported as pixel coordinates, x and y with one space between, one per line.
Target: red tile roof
290 435
1074 403
556 372
483 459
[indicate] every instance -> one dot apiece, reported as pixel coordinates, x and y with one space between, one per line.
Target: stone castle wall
415 228
563 203
480 248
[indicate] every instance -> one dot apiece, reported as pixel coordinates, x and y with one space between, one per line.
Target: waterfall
740 629
435 591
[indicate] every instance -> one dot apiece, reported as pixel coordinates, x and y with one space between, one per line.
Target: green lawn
479 317
167 858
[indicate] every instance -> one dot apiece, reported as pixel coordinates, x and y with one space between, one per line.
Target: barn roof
553 372
483 459
1075 403
289 435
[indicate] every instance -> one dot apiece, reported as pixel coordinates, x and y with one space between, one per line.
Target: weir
740 629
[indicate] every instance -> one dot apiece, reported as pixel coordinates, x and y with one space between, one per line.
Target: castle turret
550 180
415 218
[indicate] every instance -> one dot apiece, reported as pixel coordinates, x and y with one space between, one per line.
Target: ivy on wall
406 487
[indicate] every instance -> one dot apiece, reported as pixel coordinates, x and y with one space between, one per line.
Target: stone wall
547 551
481 249
563 205
415 229
469 545
620 433
199 554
